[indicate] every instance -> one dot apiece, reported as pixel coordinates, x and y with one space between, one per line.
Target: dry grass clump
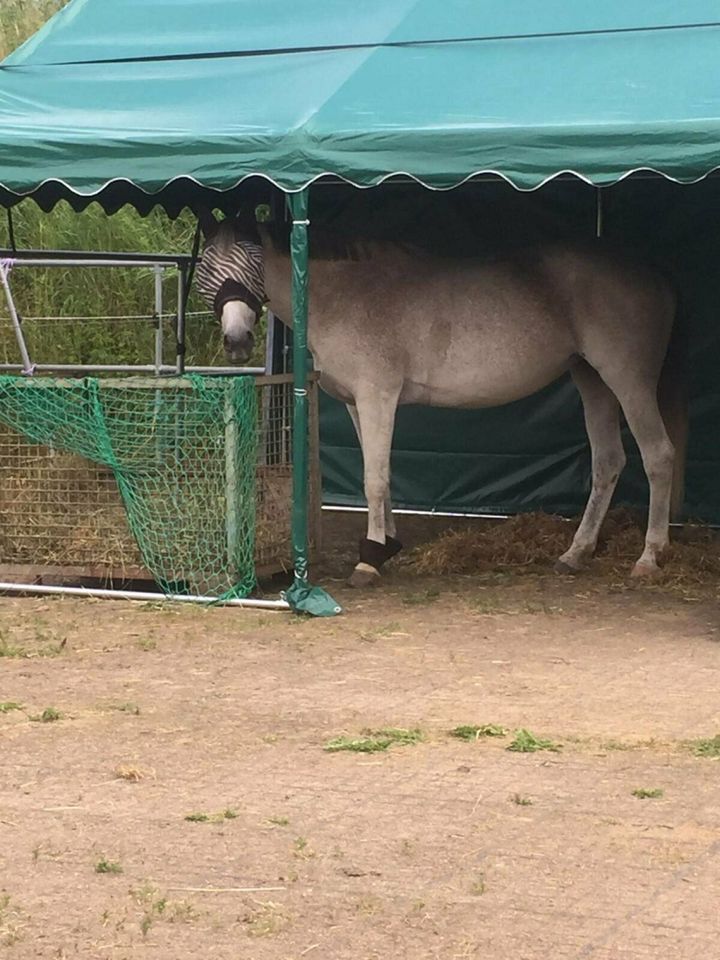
527 540
536 540
133 773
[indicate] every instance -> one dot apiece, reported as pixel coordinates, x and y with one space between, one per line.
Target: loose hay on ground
532 541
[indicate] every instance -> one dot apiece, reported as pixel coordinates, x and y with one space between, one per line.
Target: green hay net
184 454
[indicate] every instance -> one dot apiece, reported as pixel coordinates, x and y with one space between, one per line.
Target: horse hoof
566 570
646 571
364 576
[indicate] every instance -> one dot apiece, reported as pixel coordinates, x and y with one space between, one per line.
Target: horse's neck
278 280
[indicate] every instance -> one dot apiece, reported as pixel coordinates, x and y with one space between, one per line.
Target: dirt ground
120 721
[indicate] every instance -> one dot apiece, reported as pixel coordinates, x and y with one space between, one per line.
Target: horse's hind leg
390 526
602 420
638 399
375 420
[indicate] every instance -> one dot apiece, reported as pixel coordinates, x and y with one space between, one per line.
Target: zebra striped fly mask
230 278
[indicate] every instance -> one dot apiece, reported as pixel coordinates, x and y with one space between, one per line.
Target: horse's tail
673 402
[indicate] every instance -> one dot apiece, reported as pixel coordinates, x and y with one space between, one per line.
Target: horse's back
486 332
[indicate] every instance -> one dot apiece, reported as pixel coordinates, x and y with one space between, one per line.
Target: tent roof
143 100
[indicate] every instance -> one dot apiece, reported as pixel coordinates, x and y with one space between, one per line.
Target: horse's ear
208 224
245 223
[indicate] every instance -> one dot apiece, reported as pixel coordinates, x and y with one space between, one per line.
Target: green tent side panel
530 455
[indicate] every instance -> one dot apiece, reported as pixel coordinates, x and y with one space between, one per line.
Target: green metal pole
302 597
298 203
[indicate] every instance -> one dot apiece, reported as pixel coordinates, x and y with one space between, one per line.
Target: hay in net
183 456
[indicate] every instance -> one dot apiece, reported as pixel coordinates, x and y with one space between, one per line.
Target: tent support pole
299 253
302 597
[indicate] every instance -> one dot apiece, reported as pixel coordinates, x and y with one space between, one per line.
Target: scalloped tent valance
176 101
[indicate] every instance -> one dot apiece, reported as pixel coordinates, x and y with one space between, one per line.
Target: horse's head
230 279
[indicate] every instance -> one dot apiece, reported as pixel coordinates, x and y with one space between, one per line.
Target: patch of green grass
44 850
487 601
520 800
128 707
526 742
147 643
108 866
10 925
357 744
227 814
279 821
375 741
302 849
265 920
156 907
50 643
644 794
490 602
49 715
398 735
477 887
707 748
420 598
407 847
11 650
7 706
473 732
381 633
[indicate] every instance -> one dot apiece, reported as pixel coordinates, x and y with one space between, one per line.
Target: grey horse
391 325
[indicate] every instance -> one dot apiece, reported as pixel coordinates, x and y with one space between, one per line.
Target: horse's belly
481 390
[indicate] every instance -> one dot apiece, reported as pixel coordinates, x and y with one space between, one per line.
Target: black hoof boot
376 554
372 556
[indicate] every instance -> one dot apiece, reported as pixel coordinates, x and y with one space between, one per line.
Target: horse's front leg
374 417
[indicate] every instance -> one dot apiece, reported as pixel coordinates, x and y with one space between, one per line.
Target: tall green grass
19 19
74 292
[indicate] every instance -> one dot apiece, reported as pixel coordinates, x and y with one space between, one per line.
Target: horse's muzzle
239 349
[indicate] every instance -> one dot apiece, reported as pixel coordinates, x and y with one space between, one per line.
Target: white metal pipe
104 594
108 317
331 508
134 368
70 262
223 371
27 364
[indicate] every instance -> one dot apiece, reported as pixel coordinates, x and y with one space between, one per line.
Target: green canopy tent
179 102
140 93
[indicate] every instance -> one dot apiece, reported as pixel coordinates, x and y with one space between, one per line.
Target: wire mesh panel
63 514
59 510
273 548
